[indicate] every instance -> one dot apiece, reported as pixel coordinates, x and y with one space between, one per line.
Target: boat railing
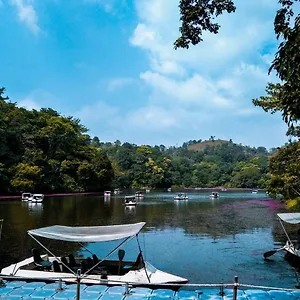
222 289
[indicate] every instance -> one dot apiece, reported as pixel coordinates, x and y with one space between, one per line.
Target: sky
112 64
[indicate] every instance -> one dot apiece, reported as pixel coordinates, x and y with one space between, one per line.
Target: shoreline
14 197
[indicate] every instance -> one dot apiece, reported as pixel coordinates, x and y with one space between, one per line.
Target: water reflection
34 208
129 210
205 240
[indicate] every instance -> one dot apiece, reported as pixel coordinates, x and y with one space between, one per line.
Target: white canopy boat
292 252
32 197
96 271
214 195
130 201
139 194
181 196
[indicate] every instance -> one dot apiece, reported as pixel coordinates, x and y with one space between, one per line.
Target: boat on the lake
254 192
214 195
117 191
107 193
93 270
139 194
292 251
169 189
130 201
181 196
26 196
32 197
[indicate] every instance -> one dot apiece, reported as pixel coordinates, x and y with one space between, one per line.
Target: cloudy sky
111 63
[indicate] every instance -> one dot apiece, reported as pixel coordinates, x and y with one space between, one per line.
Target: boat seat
95 259
139 261
56 266
72 261
64 268
89 262
39 262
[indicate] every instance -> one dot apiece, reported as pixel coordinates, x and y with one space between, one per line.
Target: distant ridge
202 145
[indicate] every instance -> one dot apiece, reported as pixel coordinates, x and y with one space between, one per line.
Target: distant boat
32 197
214 195
130 200
107 193
169 189
117 191
181 196
254 192
147 190
139 194
224 190
26 196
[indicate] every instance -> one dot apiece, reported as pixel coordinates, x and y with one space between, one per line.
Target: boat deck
12 290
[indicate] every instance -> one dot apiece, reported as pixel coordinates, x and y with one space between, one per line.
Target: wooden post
235 287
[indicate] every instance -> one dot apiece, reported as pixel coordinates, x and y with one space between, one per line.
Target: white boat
181 196
93 270
130 201
26 196
117 191
169 189
214 195
139 194
32 197
254 192
107 193
292 252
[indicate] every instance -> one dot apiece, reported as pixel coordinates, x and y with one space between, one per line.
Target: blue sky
111 63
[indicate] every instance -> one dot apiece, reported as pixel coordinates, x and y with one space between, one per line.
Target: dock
15 289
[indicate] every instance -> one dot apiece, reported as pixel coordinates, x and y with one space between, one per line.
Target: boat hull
136 278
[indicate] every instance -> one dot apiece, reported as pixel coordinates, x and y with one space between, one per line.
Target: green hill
203 145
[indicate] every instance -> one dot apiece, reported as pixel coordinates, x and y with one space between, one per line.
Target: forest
42 151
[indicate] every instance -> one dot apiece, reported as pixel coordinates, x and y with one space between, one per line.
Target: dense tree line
41 151
214 163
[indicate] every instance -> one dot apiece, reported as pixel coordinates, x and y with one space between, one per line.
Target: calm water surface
205 240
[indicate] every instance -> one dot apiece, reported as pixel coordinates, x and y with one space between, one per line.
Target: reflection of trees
215 218
230 218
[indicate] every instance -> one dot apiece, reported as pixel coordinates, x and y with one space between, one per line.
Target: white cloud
29 103
97 112
118 83
109 6
27 14
38 99
218 77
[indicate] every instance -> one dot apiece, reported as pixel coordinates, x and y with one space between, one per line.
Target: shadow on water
205 240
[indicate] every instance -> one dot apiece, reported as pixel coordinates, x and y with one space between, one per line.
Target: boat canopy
88 233
291 218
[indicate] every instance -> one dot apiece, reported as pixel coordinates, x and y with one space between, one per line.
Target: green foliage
195 164
43 151
285 171
197 16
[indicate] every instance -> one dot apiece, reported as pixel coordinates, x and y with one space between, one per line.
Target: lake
202 239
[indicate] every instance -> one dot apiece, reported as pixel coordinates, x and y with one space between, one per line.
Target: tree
197 16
